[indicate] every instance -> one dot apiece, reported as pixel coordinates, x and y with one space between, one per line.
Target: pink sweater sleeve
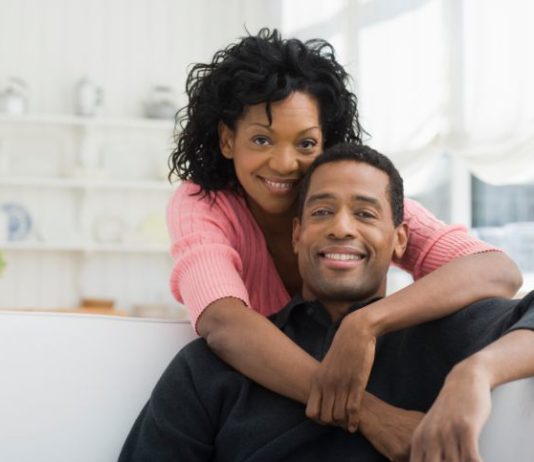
432 243
207 266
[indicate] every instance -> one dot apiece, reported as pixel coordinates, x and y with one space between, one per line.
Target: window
504 216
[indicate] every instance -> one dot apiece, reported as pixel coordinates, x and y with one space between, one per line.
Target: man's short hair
366 155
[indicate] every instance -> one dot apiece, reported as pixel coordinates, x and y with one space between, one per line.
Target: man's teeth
342 256
277 185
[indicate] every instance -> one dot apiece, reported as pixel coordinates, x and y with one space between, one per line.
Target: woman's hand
451 429
338 386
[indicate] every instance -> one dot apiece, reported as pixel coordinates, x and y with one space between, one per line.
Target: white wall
126 45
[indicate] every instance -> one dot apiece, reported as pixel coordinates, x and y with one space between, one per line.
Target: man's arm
451 429
337 388
388 428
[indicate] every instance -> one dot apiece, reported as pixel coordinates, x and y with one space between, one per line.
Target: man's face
346 238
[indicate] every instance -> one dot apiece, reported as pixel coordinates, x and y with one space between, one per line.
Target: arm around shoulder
254 346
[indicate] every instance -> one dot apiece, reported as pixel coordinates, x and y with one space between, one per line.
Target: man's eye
320 213
261 140
364 214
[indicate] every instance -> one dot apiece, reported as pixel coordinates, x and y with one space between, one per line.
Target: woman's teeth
278 185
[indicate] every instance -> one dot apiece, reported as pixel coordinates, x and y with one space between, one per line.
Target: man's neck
337 309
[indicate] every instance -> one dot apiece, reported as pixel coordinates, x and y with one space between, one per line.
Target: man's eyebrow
310 200
329 196
369 199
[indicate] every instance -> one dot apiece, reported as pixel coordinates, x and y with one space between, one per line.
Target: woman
258 114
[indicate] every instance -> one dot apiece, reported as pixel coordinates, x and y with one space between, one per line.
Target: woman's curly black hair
261 68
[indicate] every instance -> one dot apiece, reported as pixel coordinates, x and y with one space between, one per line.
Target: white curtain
437 76
398 61
498 90
451 76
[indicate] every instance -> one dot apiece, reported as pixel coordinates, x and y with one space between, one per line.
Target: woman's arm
459 283
254 346
259 350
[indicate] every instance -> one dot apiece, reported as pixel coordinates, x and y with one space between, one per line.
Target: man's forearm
453 424
388 428
509 358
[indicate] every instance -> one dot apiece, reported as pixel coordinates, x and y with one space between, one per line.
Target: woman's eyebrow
269 127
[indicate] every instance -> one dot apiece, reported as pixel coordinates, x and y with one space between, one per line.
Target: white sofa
71 386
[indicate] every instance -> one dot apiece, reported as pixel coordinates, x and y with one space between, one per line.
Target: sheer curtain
498 101
436 76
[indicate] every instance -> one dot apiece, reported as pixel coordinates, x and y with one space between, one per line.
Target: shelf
68 172
83 248
87 183
88 122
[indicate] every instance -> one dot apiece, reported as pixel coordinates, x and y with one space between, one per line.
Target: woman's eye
308 144
261 140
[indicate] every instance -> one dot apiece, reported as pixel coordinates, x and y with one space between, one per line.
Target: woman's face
269 160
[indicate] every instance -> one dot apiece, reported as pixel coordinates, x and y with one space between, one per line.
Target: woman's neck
273 225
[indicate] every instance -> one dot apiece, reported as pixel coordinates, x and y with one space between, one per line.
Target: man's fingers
451 450
432 452
417 454
424 447
469 448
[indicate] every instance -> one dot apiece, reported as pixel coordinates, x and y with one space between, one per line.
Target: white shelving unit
96 192
73 183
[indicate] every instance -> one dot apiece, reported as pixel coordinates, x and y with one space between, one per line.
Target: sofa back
71 386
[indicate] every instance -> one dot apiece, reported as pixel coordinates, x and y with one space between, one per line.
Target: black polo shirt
204 410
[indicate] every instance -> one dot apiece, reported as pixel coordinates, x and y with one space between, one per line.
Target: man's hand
337 388
451 429
389 429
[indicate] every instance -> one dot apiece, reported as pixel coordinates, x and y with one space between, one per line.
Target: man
348 230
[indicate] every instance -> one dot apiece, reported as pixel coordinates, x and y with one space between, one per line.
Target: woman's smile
279 186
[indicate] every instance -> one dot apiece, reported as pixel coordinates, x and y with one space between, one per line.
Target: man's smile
341 257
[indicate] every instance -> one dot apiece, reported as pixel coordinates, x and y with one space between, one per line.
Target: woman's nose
284 161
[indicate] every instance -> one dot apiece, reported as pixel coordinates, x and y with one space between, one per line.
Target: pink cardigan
219 251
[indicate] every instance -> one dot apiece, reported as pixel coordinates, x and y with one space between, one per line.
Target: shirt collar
297 304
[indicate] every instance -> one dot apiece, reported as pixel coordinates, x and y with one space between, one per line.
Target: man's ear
296 235
401 241
226 140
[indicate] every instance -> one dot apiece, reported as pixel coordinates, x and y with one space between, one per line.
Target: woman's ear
226 140
401 241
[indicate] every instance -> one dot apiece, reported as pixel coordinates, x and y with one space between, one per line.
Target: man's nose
284 161
342 226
